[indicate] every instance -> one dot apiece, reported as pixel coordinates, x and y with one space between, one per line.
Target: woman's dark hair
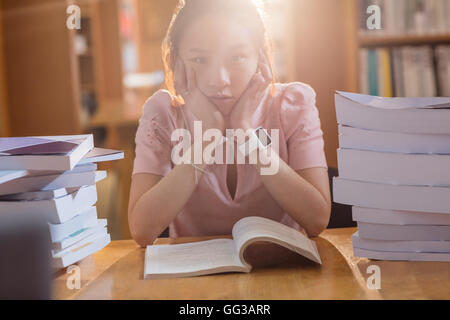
244 11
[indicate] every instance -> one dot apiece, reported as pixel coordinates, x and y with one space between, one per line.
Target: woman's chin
225 109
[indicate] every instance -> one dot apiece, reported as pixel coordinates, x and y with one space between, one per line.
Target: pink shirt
211 210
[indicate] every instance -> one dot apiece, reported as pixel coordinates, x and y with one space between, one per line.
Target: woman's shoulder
160 104
297 106
161 110
295 94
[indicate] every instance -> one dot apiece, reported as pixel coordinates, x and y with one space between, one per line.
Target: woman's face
223 56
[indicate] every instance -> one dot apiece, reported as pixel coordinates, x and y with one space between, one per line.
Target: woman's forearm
299 198
160 205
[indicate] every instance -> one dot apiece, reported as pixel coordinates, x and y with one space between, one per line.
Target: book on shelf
224 255
394 168
384 72
403 232
418 73
398 217
406 115
384 141
375 72
44 153
405 71
392 197
442 54
400 245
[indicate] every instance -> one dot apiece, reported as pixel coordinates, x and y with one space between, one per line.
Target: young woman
218 71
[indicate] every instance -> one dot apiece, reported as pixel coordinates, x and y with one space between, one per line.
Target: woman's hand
195 101
241 115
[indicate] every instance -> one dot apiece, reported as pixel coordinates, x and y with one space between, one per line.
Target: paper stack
56 177
394 169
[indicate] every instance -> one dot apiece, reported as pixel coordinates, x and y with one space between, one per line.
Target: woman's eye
199 60
238 58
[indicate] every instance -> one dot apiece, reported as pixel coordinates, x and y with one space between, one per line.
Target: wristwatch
259 139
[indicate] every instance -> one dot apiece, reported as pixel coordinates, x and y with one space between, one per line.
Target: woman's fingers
264 67
258 84
192 80
266 73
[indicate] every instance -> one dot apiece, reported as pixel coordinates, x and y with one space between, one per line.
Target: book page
252 229
210 256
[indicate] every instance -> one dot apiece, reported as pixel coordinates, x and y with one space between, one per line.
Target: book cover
44 153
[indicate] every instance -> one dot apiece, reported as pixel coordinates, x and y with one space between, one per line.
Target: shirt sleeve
301 123
153 145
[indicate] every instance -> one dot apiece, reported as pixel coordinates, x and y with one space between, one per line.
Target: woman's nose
219 78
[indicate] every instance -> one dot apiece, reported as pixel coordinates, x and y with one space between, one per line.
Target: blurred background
56 81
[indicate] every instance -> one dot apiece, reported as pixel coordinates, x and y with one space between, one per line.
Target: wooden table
116 272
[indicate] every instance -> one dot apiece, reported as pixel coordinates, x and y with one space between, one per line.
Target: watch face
263 137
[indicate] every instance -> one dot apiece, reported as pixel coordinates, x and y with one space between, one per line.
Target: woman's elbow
142 239
141 236
320 224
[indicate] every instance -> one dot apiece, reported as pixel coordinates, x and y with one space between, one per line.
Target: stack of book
56 177
394 169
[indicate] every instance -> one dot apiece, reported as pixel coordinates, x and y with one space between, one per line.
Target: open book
224 255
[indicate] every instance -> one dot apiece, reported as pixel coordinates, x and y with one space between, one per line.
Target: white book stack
56 177
394 170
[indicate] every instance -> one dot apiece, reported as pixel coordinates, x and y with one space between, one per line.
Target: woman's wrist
246 126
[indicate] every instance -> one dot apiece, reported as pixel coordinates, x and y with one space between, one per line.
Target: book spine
373 73
430 73
443 69
364 74
398 72
386 67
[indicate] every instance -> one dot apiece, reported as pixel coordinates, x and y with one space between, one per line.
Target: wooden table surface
116 272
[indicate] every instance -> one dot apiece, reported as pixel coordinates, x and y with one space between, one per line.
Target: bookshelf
58 79
85 63
403 47
39 68
3 99
67 74
365 41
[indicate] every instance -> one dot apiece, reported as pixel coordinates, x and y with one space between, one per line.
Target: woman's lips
222 100
223 104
